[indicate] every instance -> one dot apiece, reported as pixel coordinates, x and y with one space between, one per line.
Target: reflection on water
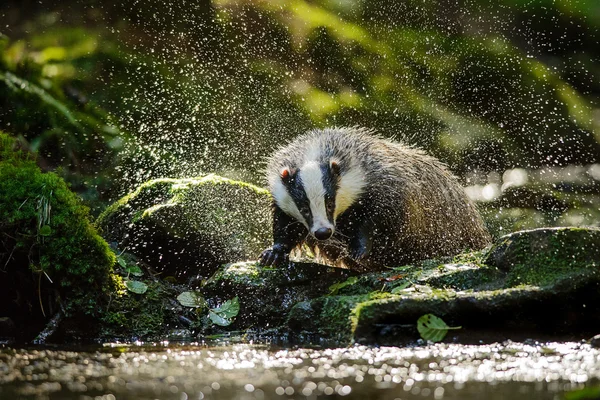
166 371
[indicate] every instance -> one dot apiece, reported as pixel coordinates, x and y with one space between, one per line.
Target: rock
541 283
266 295
52 257
595 341
546 255
184 227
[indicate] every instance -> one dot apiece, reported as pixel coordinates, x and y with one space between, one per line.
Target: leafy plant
192 300
136 286
131 269
223 315
433 328
335 288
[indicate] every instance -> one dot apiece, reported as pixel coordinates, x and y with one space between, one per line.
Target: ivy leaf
136 286
433 328
229 309
45 230
218 319
191 299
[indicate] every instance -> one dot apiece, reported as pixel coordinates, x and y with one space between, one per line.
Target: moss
546 256
48 240
193 225
329 317
135 316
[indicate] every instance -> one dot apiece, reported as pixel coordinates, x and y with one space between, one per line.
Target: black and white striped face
316 194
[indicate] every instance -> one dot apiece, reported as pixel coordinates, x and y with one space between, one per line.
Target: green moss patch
191 226
52 258
545 256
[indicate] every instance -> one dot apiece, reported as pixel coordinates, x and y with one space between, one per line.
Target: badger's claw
274 256
359 248
357 253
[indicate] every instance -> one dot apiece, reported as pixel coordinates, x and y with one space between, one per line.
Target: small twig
9 257
47 276
40 294
23 203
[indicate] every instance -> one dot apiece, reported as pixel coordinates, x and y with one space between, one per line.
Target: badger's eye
330 205
304 210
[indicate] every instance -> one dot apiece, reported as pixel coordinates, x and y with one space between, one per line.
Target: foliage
225 313
433 328
46 238
43 96
333 289
222 315
136 287
220 88
192 299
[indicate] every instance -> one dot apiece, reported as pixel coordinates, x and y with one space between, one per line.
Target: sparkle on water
167 371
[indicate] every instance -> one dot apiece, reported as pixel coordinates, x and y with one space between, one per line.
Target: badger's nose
323 233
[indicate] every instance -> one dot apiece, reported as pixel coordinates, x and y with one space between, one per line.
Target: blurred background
506 92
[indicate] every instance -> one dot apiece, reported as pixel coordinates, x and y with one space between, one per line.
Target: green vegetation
221 219
433 328
44 86
113 98
48 242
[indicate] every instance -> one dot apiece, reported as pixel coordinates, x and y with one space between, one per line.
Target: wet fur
394 204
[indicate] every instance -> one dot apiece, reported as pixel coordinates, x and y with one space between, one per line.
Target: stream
509 370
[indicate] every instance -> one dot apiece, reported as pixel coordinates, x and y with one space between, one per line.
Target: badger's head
317 193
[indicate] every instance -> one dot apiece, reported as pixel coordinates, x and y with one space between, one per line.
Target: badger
366 203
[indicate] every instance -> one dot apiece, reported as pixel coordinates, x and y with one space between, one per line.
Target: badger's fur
366 202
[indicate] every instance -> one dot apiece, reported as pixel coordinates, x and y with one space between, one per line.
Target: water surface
249 371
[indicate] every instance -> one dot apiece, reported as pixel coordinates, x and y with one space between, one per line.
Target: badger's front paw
359 248
275 256
357 253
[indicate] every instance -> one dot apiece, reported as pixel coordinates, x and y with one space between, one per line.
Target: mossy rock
544 256
541 283
266 295
186 227
52 258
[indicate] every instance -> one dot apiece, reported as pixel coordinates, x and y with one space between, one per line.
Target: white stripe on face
312 180
284 200
352 183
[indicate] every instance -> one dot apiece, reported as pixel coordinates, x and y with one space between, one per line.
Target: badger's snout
323 233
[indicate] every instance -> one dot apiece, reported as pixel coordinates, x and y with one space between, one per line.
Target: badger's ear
335 167
288 175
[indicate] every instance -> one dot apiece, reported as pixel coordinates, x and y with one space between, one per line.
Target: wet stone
189 227
266 295
557 250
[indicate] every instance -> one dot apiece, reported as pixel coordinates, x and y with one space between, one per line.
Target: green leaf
191 299
134 270
401 287
224 314
45 230
218 319
136 286
433 328
229 309
122 261
333 289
